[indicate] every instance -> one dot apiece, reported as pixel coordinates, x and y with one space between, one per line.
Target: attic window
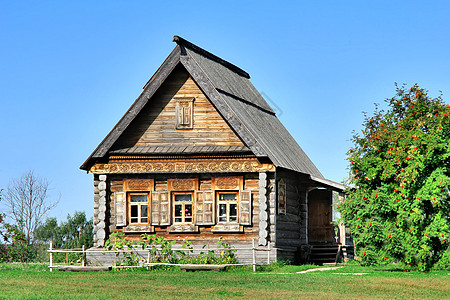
184 113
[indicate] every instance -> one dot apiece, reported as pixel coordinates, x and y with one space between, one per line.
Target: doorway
320 229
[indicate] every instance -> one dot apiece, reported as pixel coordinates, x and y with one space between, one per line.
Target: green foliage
128 255
400 165
14 246
223 254
161 251
160 248
75 232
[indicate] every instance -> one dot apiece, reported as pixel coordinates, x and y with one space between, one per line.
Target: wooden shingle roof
230 91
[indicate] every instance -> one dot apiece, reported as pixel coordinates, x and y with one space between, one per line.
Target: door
320 229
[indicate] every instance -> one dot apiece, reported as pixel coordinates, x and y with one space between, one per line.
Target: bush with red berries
399 207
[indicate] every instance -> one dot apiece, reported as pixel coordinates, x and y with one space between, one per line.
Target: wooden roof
229 89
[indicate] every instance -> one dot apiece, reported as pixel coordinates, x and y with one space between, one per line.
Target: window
182 209
227 207
184 111
138 208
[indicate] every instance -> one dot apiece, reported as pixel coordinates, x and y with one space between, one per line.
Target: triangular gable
232 94
153 131
149 90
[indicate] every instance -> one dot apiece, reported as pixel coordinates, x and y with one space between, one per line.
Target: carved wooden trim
227 183
183 228
138 184
205 166
182 184
139 228
281 191
227 228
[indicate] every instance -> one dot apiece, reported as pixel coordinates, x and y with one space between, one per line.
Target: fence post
51 256
268 253
254 255
83 256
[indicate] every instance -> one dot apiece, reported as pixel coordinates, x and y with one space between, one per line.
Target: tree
74 233
26 202
399 208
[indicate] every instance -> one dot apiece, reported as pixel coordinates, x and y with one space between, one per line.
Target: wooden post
67 258
268 253
83 255
254 255
51 256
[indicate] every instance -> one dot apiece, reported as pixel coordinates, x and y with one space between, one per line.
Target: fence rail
84 251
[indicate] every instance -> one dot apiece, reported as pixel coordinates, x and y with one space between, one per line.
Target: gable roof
230 91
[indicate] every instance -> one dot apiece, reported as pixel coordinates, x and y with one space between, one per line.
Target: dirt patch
319 269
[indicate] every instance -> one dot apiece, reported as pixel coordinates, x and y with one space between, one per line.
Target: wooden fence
147 263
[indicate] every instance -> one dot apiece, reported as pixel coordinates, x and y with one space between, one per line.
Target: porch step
320 254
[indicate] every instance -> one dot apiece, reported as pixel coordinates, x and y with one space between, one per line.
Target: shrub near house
400 164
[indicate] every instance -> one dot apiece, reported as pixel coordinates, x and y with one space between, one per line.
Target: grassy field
36 282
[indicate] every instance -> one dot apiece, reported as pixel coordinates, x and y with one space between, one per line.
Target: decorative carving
182 167
227 228
281 189
183 228
227 183
182 184
139 184
139 228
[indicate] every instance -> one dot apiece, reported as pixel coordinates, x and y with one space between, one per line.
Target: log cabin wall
200 235
291 218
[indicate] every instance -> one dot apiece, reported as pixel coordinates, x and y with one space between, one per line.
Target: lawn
36 282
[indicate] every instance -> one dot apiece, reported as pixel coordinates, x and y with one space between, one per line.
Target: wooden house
201 155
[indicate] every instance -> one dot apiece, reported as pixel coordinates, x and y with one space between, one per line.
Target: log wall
291 226
203 235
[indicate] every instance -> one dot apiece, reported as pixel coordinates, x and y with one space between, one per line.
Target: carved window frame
139 205
183 205
184 113
227 204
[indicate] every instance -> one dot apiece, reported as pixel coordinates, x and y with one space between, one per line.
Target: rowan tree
399 208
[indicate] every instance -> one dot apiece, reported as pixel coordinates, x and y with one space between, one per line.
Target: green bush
161 251
398 210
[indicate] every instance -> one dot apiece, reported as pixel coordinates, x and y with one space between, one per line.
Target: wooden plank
85 268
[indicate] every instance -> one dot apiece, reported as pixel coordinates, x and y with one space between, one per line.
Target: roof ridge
182 42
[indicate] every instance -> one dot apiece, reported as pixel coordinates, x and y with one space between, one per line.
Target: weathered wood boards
84 268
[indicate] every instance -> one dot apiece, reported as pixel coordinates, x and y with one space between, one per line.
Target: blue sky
70 69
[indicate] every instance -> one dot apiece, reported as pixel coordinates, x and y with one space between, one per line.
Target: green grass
276 282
